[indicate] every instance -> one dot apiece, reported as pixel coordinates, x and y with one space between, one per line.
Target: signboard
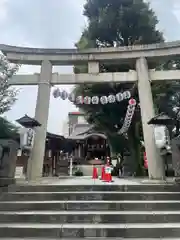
108 169
161 136
26 138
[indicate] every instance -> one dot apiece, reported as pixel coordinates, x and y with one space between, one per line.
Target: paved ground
90 181
86 180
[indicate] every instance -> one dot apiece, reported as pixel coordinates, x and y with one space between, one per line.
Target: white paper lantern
128 122
129 116
72 97
127 119
122 130
126 94
103 100
56 93
87 100
79 100
111 99
130 113
64 95
130 108
95 100
119 97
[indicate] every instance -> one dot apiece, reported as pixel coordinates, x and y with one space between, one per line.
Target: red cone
108 176
95 173
103 173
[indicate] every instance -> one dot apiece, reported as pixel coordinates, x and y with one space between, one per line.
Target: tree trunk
136 150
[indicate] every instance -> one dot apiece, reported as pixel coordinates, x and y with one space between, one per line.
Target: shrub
78 173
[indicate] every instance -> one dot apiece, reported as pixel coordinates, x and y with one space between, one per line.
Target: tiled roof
82 131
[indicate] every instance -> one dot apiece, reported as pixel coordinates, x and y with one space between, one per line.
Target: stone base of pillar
5 182
177 180
151 181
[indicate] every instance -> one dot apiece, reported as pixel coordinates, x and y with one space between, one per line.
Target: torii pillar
35 164
155 163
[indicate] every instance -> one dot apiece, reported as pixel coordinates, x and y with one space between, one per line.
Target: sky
58 24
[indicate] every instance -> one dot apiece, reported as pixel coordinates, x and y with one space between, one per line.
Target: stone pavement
89 181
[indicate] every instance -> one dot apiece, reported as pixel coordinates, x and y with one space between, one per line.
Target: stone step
47 231
103 187
91 211
90 205
90 217
94 238
97 195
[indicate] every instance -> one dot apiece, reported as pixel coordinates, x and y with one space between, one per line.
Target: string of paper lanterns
129 115
7 70
92 100
103 100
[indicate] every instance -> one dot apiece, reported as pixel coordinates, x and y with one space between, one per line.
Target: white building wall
79 120
65 129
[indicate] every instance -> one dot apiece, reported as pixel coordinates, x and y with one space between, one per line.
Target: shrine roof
28 122
83 131
76 113
161 119
54 136
79 131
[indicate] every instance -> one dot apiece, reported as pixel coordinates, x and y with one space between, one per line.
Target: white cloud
27 25
176 12
3 10
26 102
49 24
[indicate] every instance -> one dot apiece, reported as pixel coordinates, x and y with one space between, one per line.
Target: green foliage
8 96
121 22
110 24
114 23
167 95
115 172
8 130
78 173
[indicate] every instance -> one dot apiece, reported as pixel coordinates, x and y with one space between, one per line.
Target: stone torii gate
138 56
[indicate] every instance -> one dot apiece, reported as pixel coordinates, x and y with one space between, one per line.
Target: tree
167 96
8 130
8 95
110 24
